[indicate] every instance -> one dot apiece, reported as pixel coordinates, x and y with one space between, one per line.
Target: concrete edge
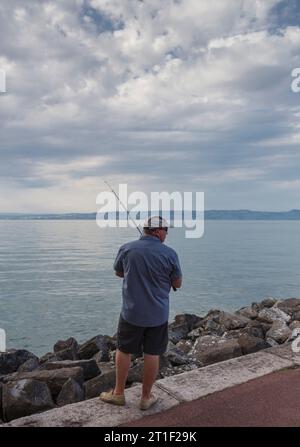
171 391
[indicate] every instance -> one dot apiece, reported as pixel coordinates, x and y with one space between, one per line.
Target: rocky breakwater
73 372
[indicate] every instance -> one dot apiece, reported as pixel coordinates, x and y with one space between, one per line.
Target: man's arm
120 274
177 283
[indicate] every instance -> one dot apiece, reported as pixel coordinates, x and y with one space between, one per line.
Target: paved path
270 401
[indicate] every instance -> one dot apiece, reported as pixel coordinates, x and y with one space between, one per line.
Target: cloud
176 94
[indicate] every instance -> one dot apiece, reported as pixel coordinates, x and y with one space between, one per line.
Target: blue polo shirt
149 266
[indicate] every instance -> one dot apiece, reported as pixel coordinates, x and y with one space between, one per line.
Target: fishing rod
128 213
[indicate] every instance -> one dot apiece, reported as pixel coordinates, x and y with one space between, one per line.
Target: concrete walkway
244 391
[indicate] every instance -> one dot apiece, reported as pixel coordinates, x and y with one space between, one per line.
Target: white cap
155 222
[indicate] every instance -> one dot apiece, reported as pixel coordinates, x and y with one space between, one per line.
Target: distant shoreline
208 215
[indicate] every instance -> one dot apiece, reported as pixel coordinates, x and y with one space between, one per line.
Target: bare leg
122 366
151 368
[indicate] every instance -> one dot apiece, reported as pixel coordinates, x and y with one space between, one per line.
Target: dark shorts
136 339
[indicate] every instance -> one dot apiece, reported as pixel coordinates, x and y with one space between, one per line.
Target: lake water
57 281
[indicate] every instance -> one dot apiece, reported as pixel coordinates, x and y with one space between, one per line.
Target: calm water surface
56 277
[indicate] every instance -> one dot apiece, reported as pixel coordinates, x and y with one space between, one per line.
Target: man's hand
176 283
120 274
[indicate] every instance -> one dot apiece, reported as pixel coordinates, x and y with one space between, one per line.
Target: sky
163 95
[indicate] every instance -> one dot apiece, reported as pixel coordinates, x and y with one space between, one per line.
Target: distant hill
209 215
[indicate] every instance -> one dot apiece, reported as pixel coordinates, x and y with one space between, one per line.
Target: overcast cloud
161 94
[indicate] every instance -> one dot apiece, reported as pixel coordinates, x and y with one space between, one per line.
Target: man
149 269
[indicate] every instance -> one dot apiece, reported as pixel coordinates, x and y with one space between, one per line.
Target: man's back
149 267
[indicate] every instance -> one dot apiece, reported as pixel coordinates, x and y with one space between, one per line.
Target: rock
10 361
249 344
25 397
66 349
250 312
232 321
177 333
295 334
88 349
135 373
193 335
268 302
111 342
185 345
55 379
29 365
212 349
291 306
191 321
61 345
212 327
175 355
296 315
89 367
273 314
67 354
183 324
294 325
279 332
219 322
272 342
255 329
70 393
164 362
49 357
103 382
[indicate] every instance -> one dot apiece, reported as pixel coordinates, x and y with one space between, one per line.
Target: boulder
135 373
295 334
164 362
212 327
296 315
268 302
177 333
10 361
232 321
185 345
67 354
89 367
183 324
70 393
111 342
25 397
212 349
272 342
279 332
61 345
191 321
294 325
273 314
193 335
88 349
175 355
55 379
291 306
103 382
250 344
48 357
29 365
250 312
255 329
